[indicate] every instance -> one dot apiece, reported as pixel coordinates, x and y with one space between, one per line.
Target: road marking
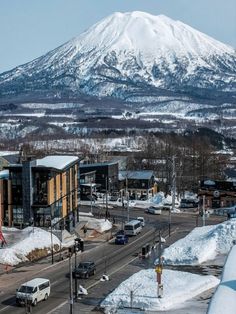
6 307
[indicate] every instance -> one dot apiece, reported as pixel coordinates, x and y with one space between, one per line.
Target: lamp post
76 249
71 249
52 243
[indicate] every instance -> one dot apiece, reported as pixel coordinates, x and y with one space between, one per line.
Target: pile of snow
202 244
30 239
224 299
163 200
99 225
20 243
178 287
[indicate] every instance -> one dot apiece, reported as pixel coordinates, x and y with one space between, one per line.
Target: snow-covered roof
6 153
224 299
4 174
136 175
58 162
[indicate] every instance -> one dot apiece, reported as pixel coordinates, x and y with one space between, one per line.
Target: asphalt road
108 257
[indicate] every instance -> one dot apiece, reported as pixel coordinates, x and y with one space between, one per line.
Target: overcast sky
30 28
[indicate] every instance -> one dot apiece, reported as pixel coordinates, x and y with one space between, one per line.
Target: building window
17 215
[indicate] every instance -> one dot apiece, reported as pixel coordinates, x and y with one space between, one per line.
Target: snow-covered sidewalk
178 288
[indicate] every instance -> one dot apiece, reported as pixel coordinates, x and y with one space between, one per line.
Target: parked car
113 198
121 239
188 203
154 210
142 220
84 270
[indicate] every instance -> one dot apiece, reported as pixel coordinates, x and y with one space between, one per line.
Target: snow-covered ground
26 241
178 288
22 243
202 244
224 299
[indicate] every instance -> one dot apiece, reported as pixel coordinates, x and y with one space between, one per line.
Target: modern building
106 176
139 184
217 193
40 191
87 184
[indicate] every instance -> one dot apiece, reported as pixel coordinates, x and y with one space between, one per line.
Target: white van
133 227
33 291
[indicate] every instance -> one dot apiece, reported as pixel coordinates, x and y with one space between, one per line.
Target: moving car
154 210
33 291
142 221
121 239
84 270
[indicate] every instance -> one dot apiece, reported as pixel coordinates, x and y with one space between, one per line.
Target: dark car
121 239
84 270
120 232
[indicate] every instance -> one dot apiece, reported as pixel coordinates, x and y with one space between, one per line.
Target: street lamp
71 251
76 249
52 243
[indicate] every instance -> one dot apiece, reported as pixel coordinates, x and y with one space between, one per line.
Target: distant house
40 190
7 159
217 193
230 174
139 184
106 176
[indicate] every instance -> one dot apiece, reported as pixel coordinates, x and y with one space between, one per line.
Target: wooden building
40 191
139 184
217 193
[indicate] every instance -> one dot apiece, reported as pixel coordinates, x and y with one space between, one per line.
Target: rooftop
136 175
57 162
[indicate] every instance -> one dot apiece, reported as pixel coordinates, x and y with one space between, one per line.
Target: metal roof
136 175
98 164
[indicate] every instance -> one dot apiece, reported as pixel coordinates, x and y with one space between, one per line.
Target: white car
142 220
154 210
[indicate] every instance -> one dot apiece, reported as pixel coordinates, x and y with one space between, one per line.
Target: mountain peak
128 53
148 34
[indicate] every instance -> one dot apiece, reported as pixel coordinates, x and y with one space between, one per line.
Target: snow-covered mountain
132 56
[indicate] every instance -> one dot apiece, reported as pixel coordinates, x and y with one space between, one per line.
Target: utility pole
91 198
173 191
127 196
106 199
71 282
203 210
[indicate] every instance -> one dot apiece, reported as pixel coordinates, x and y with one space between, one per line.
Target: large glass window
40 188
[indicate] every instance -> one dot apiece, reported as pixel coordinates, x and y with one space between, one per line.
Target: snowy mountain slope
128 56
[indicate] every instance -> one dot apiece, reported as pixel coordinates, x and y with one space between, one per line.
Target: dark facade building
87 184
217 193
106 176
139 184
